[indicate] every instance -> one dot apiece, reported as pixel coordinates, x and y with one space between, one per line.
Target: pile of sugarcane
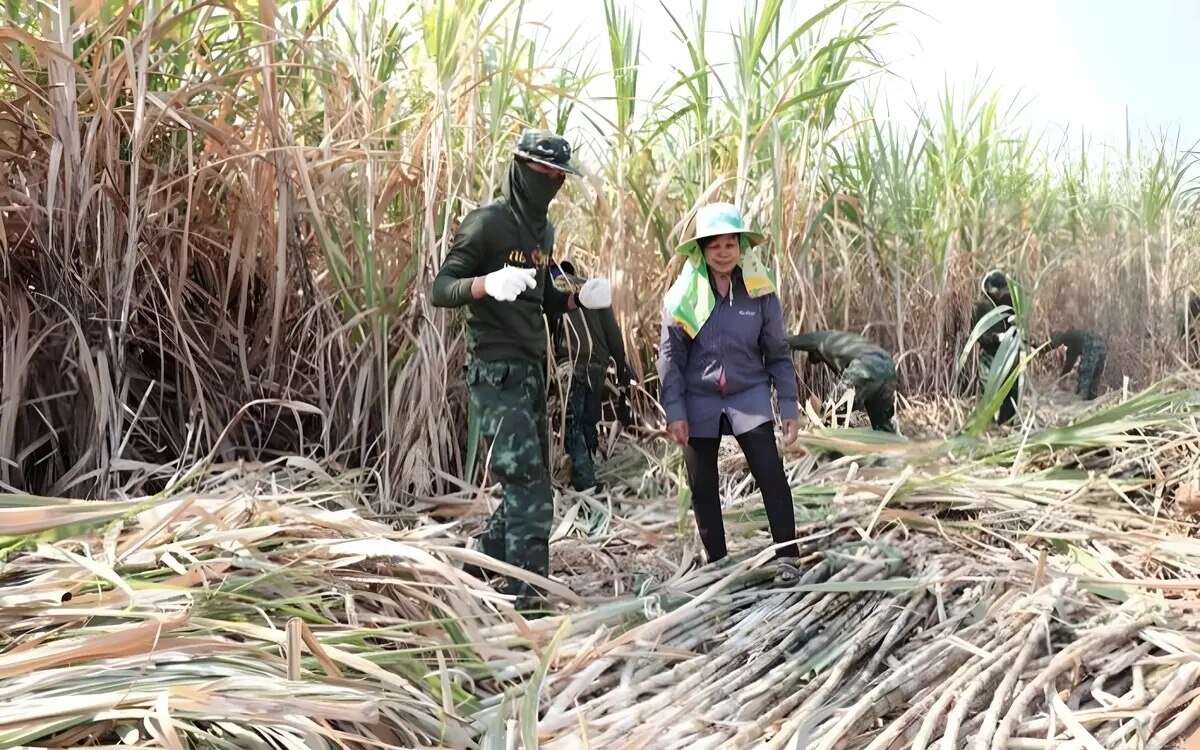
228 621
892 643
1029 590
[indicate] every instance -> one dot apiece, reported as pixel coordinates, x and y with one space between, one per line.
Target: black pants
880 406
766 466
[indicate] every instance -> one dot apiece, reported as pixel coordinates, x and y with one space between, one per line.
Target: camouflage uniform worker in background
589 339
1189 322
995 294
497 268
861 365
1094 353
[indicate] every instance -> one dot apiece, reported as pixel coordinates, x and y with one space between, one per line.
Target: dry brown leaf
1187 498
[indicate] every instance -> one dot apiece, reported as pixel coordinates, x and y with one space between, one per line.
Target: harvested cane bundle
858 657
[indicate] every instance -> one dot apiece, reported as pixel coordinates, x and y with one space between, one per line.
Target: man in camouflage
1090 351
861 366
996 293
589 340
497 268
1189 321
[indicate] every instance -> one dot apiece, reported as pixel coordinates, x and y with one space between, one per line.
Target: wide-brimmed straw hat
716 219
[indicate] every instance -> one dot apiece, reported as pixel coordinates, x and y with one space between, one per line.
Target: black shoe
533 607
531 601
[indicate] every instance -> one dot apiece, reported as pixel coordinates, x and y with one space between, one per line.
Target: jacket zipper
722 379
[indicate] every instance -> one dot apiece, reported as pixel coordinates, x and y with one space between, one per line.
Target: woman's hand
791 430
678 431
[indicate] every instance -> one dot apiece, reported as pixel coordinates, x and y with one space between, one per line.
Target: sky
1072 63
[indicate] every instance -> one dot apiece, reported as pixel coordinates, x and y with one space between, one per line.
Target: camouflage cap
546 148
565 270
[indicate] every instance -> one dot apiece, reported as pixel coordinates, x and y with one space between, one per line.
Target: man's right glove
509 282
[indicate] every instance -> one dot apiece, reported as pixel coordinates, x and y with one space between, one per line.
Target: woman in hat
722 350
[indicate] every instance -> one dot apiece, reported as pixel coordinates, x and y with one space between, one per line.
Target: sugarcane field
618 375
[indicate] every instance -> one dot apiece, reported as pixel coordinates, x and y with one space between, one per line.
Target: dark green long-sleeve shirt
835 349
990 340
488 239
1078 341
590 336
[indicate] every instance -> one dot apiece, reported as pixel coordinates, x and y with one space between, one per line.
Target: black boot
531 602
598 486
476 544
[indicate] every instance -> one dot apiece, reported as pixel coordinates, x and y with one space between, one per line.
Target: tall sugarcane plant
230 216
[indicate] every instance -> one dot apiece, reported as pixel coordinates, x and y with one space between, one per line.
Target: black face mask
529 193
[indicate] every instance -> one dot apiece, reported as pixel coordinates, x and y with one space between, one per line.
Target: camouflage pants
1008 407
1091 367
510 399
583 414
872 377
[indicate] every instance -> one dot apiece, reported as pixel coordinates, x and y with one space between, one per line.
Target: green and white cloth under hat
691 299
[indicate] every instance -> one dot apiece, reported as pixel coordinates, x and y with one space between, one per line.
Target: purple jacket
742 339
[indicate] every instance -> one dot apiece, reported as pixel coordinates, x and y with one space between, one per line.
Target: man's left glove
596 294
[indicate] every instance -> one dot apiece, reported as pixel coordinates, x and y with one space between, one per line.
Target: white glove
596 294
509 282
